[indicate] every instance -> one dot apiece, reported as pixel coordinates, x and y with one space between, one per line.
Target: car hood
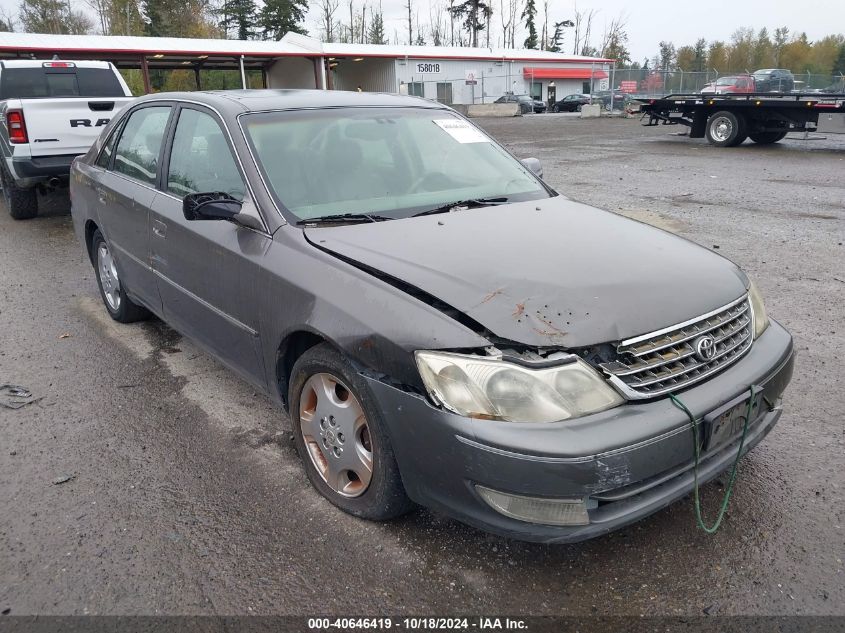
546 273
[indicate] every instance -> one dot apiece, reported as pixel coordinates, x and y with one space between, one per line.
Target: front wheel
341 438
578 108
555 108
119 306
726 129
767 138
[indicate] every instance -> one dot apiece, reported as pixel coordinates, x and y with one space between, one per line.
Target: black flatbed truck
765 118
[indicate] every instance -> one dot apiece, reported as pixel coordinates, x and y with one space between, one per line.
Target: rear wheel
22 204
726 129
120 307
767 138
341 438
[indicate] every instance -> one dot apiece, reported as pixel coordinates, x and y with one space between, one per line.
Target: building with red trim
455 75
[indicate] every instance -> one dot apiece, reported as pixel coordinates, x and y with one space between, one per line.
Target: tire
335 449
22 204
578 108
767 138
119 306
725 129
555 108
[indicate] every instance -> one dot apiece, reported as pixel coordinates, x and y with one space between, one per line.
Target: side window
201 160
139 144
104 159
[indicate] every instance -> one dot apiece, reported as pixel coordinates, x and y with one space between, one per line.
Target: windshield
727 81
393 162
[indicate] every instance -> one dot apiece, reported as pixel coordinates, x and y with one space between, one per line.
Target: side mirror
534 165
213 205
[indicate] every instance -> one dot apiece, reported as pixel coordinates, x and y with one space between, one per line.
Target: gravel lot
186 497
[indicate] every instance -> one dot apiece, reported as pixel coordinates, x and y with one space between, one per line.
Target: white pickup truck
50 113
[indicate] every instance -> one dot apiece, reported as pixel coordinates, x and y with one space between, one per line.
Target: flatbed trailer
765 118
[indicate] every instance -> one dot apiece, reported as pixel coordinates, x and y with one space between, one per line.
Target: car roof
237 101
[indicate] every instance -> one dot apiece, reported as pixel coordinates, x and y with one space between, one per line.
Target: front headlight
495 389
758 310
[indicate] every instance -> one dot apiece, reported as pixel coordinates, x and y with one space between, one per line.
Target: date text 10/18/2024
419 624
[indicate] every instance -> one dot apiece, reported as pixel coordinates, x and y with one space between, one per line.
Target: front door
208 270
125 189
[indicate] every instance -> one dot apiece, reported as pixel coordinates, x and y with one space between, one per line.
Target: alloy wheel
109 280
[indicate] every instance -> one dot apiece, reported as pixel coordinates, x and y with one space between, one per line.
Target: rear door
65 106
208 270
125 189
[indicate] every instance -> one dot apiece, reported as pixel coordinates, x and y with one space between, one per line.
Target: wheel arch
292 347
90 228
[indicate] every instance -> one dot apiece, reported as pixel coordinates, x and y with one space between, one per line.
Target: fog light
572 511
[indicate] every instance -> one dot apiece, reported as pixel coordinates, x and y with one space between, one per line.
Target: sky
648 21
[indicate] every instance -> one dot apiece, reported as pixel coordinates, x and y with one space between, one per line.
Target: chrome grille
664 361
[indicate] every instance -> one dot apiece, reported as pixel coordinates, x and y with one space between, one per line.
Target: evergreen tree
699 60
556 40
839 64
238 18
280 16
476 14
178 18
529 14
376 35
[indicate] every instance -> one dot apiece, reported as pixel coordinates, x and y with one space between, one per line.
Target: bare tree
437 23
410 23
583 27
614 39
544 32
327 22
8 19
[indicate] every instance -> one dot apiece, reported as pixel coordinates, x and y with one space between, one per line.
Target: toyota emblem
705 348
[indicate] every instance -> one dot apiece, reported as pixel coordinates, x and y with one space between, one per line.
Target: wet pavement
186 497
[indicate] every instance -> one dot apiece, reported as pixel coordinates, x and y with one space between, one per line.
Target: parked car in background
773 80
527 105
325 245
571 103
730 84
53 111
618 101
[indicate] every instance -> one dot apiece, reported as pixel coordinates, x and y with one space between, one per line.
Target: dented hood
545 273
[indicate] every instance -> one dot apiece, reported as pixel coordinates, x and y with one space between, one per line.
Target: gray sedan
441 326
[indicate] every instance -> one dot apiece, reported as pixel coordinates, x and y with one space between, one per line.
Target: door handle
159 228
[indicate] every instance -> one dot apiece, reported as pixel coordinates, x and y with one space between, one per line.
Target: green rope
696 444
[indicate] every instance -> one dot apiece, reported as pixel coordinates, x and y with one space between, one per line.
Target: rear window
35 83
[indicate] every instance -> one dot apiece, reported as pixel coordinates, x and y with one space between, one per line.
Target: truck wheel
22 204
725 129
767 138
120 307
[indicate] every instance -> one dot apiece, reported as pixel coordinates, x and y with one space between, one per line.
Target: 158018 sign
427 68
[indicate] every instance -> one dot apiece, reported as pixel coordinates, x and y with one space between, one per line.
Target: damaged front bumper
627 462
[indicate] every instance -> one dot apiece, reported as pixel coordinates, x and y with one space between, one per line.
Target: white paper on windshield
461 131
